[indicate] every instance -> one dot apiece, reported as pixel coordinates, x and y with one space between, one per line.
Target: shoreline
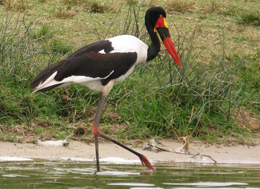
111 153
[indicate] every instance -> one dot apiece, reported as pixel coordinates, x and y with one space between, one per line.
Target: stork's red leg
143 159
97 134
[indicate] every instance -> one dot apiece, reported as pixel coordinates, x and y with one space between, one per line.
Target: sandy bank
82 151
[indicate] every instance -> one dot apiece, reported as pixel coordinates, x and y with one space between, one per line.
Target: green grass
214 96
250 18
63 12
43 32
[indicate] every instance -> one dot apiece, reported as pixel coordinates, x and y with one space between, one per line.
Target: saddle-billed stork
102 64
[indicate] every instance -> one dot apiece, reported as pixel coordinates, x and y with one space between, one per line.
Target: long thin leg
96 131
97 153
101 102
143 158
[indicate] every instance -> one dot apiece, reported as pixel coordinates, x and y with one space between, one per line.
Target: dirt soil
81 151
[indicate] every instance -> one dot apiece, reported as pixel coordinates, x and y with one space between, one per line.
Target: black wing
88 62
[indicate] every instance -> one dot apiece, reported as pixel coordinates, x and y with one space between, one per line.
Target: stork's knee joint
96 130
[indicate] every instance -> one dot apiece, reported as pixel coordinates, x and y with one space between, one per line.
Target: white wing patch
84 80
102 52
48 82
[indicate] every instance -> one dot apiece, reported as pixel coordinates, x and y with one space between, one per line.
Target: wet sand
81 151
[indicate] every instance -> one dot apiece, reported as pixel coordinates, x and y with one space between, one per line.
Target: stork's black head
153 13
155 21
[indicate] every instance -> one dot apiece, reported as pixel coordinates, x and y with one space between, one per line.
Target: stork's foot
146 163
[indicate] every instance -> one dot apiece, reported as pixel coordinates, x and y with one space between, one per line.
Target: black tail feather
50 87
46 73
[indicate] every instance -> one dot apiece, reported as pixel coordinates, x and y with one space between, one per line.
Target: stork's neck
154 48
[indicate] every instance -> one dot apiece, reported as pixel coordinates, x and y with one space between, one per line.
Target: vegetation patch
16 5
76 2
181 6
64 12
250 18
214 96
213 6
95 6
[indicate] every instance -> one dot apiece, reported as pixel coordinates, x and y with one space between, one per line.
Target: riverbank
80 151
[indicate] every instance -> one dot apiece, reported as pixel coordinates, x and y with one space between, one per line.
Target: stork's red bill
162 27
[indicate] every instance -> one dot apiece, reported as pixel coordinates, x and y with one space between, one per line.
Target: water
82 175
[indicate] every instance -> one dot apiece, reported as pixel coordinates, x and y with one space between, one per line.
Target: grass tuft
181 6
59 46
44 1
75 2
250 18
64 12
213 7
44 32
132 2
16 5
95 6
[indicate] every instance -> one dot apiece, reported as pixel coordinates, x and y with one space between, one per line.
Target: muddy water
81 175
